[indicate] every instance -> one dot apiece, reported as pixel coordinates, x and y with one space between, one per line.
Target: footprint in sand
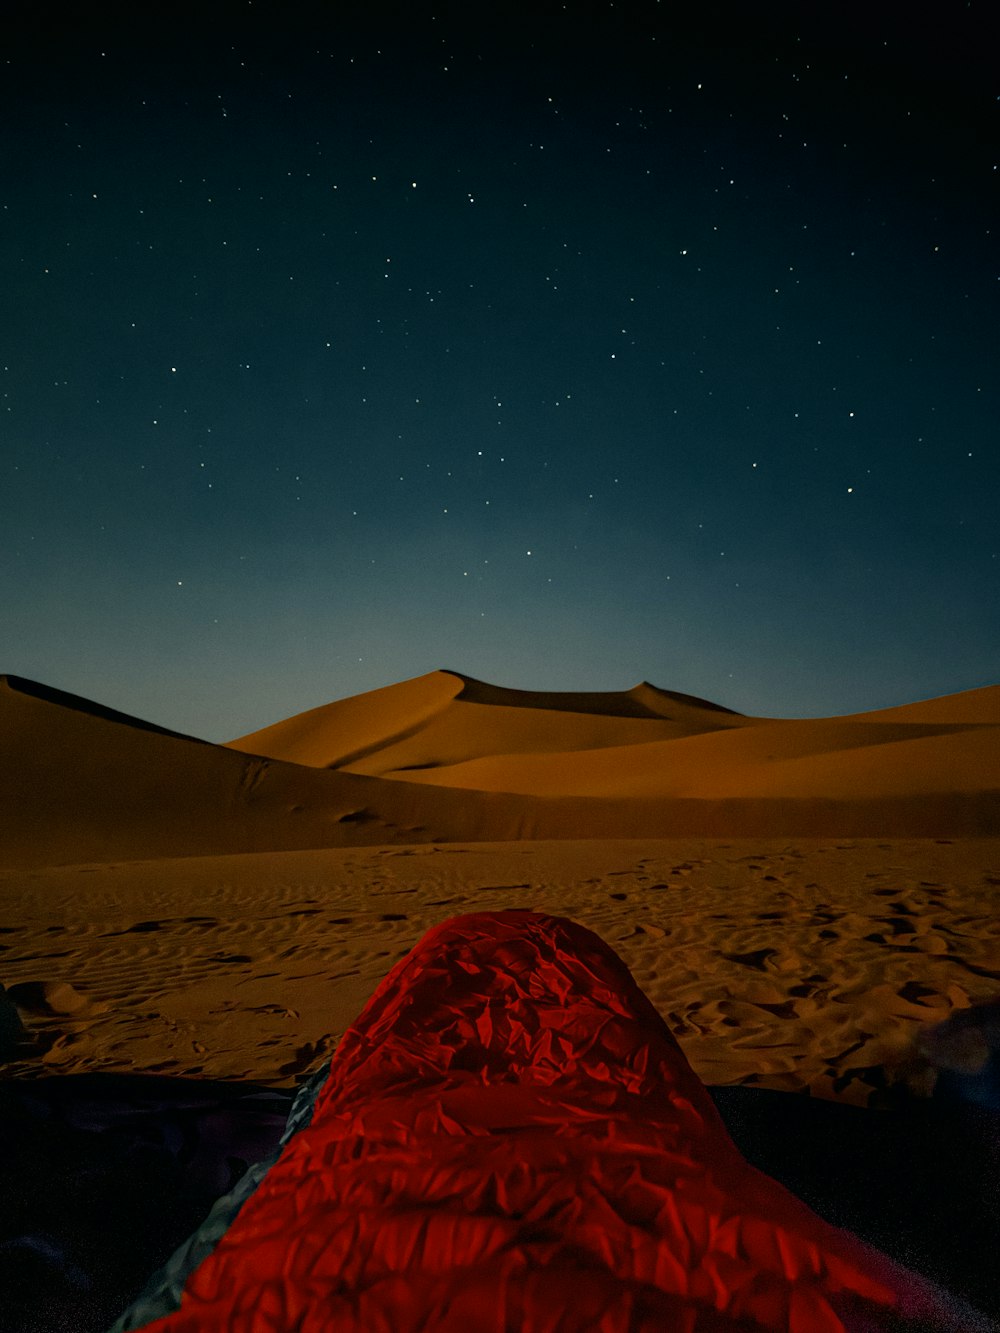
897 925
66 1047
914 992
757 958
140 928
654 932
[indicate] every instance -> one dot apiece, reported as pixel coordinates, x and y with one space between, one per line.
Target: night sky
561 345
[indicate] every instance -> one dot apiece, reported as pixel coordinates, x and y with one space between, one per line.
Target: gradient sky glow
562 345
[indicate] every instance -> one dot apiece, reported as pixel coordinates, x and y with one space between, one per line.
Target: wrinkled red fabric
510 1140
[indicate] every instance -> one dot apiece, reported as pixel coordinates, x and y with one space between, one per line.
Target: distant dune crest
450 730
445 757
48 693
643 700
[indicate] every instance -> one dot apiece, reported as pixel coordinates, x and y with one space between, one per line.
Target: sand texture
810 965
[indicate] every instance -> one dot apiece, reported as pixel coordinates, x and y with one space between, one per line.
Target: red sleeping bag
510 1140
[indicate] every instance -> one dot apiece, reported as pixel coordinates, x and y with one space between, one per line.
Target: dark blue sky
561 345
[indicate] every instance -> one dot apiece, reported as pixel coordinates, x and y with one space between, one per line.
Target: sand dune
445 718
790 760
337 733
447 730
78 783
446 758
653 746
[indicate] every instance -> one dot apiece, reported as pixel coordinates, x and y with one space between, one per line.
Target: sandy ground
791 964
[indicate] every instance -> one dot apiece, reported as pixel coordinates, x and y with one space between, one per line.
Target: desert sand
807 965
805 901
801 899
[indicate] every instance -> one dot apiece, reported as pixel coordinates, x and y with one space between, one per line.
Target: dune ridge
346 730
76 702
642 700
644 742
445 758
447 712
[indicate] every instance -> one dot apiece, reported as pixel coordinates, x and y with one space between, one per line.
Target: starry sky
564 345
